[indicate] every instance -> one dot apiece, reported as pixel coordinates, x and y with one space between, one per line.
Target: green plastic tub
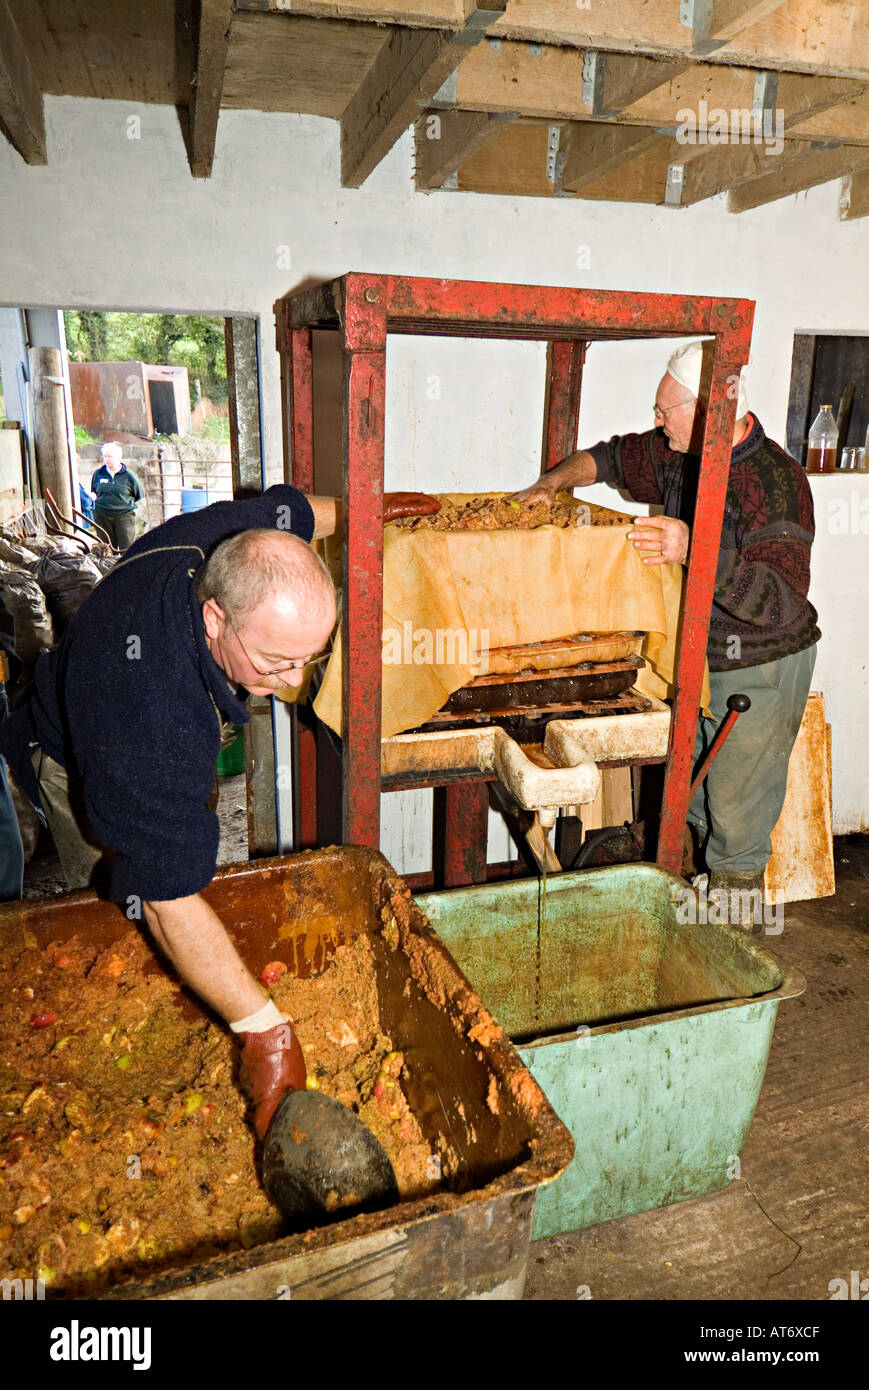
230 759
649 1037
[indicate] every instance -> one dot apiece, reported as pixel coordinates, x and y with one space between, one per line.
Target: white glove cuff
260 1022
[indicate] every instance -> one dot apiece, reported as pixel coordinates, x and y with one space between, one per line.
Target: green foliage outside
176 340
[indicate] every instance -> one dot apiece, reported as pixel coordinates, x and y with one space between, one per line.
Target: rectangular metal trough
650 1036
469 1242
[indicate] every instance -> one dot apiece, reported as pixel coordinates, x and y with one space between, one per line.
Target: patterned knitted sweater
760 608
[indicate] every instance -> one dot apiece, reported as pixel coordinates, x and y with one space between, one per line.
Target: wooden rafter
549 85
714 22
802 98
22 117
824 36
444 140
211 44
854 201
710 171
592 151
816 166
514 163
619 79
411 67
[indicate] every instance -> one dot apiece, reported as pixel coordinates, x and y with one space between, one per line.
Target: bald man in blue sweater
119 739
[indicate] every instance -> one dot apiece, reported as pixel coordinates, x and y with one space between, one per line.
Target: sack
13 552
66 580
34 630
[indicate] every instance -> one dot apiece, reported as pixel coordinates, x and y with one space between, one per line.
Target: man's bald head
262 567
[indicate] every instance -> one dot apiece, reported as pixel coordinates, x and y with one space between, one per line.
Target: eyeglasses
288 666
656 409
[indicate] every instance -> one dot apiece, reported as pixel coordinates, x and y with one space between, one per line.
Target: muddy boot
744 901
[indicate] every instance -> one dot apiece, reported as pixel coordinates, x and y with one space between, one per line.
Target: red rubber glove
271 1064
397 504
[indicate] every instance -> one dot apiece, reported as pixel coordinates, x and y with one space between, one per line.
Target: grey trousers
737 806
80 852
121 527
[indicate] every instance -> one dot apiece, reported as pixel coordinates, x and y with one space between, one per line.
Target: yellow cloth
447 595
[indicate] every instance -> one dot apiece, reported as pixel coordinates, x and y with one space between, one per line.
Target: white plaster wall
115 222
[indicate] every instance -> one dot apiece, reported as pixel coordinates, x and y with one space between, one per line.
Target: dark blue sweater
129 700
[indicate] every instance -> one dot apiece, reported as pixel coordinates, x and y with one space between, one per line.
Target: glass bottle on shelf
823 441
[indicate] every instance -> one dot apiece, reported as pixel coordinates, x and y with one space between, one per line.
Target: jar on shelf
823 442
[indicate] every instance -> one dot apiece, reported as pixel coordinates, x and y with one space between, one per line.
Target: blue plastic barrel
193 499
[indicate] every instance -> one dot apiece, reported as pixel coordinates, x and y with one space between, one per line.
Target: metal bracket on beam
674 186
447 95
476 26
696 15
593 74
765 95
552 154
593 81
482 18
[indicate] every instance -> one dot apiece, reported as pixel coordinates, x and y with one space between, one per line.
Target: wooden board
613 804
22 120
514 161
813 168
801 866
107 48
855 196
284 63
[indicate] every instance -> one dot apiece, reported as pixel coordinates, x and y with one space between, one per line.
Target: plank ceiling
651 101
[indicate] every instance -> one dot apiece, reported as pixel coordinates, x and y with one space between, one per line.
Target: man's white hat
691 366
111 451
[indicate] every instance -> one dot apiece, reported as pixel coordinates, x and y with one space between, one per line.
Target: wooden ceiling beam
211 45
548 83
591 151
816 166
406 74
802 98
615 81
707 172
854 201
715 22
22 115
444 140
410 69
826 36
424 14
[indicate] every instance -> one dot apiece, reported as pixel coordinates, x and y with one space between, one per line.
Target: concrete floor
798 1217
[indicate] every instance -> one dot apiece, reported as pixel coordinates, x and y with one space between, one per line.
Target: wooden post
51 438
242 372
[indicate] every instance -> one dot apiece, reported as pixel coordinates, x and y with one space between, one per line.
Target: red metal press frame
364 308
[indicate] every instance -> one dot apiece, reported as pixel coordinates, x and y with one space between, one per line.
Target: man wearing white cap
762 631
117 491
